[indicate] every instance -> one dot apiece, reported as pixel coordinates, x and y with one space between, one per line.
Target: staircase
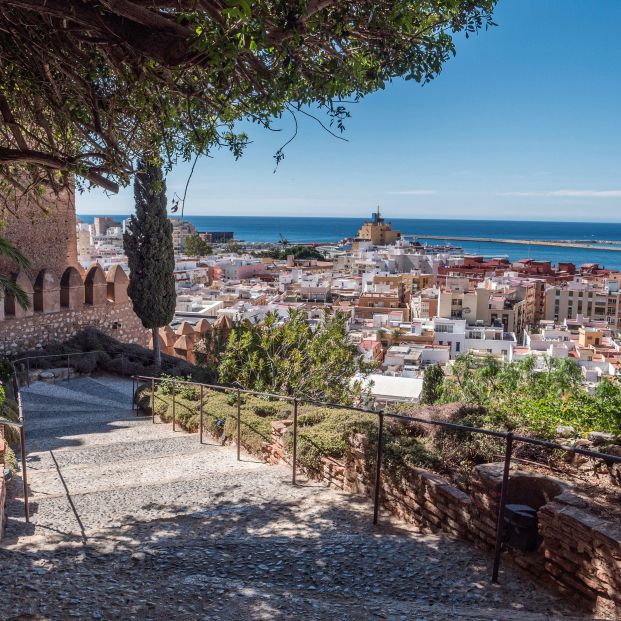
133 521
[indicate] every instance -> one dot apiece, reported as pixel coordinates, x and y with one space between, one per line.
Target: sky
523 124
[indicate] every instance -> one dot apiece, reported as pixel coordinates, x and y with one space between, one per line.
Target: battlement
61 305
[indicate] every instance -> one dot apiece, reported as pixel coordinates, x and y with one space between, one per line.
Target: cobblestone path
133 521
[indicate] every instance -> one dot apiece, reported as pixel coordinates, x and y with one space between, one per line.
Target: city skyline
507 131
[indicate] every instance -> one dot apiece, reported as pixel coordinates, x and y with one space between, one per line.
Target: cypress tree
432 384
149 248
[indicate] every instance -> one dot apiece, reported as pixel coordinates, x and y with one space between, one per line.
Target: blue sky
522 124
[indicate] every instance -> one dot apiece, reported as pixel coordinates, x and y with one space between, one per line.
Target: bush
6 370
105 353
10 461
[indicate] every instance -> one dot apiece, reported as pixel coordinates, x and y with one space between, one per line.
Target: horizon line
446 218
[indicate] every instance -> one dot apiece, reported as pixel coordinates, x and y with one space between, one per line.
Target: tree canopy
290 357
196 246
298 252
86 88
533 398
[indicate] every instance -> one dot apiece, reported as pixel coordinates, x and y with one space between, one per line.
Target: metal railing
22 443
509 437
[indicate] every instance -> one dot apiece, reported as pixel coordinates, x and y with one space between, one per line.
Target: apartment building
462 338
580 297
182 229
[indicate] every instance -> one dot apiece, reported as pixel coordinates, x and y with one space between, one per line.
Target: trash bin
521 531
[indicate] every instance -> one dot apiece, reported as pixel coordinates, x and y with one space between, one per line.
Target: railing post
67 367
501 506
378 467
28 372
201 417
153 400
133 392
22 448
174 400
122 365
238 424
295 438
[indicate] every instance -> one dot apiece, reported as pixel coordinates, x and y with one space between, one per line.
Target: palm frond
8 250
10 288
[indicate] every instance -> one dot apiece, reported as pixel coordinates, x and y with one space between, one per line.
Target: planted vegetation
322 432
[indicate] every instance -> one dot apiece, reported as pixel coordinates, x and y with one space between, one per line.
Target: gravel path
133 521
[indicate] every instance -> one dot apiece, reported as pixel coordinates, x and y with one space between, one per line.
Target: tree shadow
277 560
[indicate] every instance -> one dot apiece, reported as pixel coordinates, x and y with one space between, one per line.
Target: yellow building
378 232
590 337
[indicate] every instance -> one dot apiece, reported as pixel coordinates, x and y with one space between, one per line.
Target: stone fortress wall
64 298
63 306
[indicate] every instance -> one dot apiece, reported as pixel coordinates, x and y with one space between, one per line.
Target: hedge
322 432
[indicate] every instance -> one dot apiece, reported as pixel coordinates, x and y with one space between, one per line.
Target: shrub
85 364
265 410
232 398
6 370
10 461
323 432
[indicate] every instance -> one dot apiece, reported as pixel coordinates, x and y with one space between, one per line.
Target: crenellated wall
61 305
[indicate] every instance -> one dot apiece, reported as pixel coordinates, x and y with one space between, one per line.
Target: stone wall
2 484
579 551
62 307
47 238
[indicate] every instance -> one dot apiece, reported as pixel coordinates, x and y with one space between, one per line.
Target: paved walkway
133 521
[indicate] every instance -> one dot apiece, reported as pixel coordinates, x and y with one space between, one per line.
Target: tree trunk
157 356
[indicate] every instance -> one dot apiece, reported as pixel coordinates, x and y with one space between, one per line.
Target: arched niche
95 286
71 289
46 292
117 282
11 307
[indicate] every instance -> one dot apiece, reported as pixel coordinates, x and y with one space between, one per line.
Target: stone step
160 445
91 429
39 406
137 469
69 391
121 385
91 387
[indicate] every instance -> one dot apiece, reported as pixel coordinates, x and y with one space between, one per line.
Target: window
457 347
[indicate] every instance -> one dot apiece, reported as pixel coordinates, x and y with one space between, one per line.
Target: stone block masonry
116 320
2 483
62 307
579 551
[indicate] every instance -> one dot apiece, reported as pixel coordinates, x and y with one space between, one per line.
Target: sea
322 230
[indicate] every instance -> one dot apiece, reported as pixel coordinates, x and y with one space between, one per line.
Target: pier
523 242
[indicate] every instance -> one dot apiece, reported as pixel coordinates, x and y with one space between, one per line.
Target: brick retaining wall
579 554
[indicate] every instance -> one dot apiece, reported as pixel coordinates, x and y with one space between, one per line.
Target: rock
615 450
565 431
46 375
138 556
583 443
600 438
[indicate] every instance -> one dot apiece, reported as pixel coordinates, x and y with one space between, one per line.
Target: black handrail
508 437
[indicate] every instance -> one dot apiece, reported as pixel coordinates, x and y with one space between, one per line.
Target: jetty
525 242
